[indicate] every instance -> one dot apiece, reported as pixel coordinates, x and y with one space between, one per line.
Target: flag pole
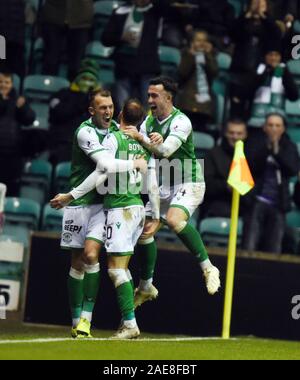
231 264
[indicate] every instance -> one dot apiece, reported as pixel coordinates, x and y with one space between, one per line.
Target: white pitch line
53 340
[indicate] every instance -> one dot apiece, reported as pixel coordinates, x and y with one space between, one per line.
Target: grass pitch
30 342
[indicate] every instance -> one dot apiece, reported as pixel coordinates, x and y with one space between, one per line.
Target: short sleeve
88 141
143 128
181 127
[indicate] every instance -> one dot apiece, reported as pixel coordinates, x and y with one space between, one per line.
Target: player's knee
176 225
90 256
118 276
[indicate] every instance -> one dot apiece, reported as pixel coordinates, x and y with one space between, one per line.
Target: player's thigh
188 198
118 262
96 225
75 225
123 228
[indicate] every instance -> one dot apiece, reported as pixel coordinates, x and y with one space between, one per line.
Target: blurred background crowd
238 68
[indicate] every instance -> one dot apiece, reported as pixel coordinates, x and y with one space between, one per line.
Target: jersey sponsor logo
69 222
73 228
134 147
67 237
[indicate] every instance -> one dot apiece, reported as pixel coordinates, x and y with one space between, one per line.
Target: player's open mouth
153 108
107 119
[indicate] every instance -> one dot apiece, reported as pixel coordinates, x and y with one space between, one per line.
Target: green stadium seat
103 9
36 181
294 134
169 60
224 61
292 110
17 83
293 219
95 50
61 177
203 143
16 233
238 6
215 231
52 219
20 211
41 87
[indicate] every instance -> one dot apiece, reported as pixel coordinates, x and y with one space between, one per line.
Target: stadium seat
238 6
294 134
61 177
215 231
293 219
20 211
95 50
41 87
294 67
52 219
103 9
17 83
169 59
16 233
292 110
36 180
224 61
203 143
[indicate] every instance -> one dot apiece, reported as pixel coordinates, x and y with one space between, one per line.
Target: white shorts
124 227
82 223
187 197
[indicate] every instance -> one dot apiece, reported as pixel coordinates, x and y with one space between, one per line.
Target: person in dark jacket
273 161
133 31
273 82
68 20
218 197
197 69
14 112
12 27
250 33
69 108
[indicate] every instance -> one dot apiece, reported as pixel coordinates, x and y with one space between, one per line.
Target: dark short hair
277 114
133 112
7 74
169 84
94 94
235 121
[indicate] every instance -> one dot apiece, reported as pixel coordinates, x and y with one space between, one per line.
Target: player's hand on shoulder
156 138
132 132
61 200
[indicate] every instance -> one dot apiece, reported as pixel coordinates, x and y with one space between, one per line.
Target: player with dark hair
181 193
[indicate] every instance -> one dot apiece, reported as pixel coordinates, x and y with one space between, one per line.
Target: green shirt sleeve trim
96 151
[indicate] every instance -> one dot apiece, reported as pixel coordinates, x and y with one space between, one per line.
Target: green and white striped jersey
87 141
186 168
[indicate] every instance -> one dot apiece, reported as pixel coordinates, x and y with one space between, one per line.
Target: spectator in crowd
14 112
12 27
296 196
133 31
69 108
65 21
273 82
218 197
197 70
273 161
249 33
213 16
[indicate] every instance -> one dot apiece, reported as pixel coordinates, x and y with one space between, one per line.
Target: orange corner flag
240 177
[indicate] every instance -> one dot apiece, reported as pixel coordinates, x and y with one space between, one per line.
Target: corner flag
240 177
241 180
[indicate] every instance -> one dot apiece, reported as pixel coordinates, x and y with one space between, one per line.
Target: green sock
90 288
75 287
148 257
192 240
125 301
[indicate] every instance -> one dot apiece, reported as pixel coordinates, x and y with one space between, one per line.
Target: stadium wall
264 288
